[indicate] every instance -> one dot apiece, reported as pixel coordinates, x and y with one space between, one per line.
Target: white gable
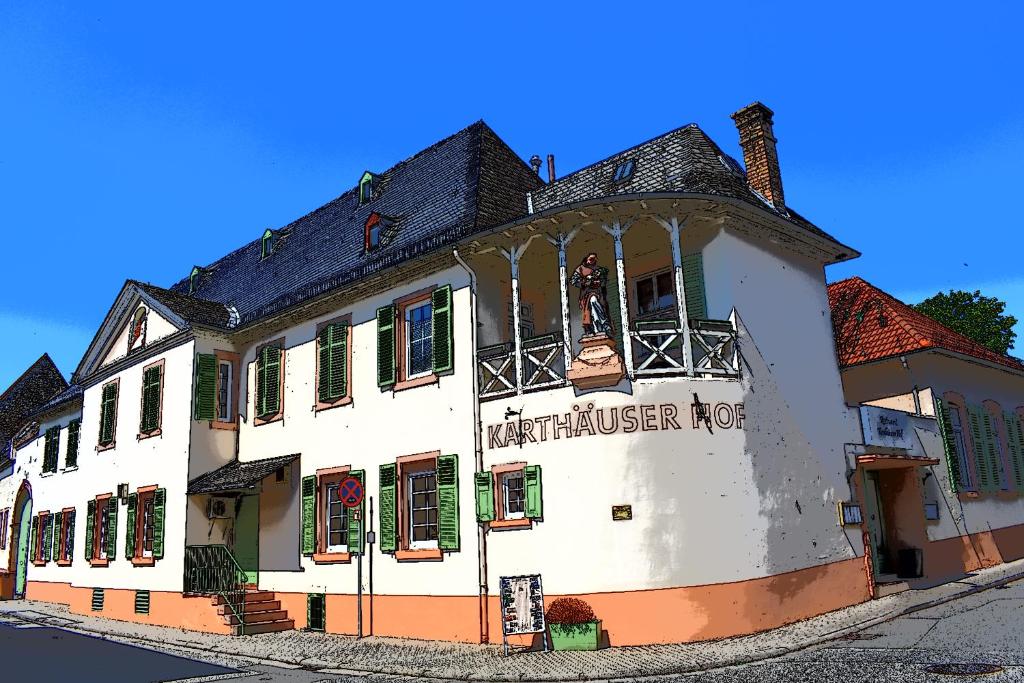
142 328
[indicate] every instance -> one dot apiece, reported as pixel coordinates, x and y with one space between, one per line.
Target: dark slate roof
682 160
460 185
237 475
20 400
69 395
191 308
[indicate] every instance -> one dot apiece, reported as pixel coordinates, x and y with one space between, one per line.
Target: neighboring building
948 479
32 389
418 333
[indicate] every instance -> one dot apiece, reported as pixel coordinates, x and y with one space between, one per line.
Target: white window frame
147 521
956 425
226 390
340 547
653 277
505 500
409 340
414 544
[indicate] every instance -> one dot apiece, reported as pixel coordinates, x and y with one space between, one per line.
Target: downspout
481 532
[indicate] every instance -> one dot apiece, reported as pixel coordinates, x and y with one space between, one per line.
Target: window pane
420 339
645 295
666 291
223 382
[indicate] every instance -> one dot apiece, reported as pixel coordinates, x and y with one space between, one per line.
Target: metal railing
213 570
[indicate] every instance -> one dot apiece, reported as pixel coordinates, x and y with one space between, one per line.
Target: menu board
522 605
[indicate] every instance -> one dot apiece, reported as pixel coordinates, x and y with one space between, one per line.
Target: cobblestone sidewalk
343 654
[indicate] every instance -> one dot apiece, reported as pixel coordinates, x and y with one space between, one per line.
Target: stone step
257 617
883 589
264 627
250 596
252 606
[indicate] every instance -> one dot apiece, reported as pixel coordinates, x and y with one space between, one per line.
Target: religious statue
592 280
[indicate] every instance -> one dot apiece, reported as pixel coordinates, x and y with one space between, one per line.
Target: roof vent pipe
551 168
535 164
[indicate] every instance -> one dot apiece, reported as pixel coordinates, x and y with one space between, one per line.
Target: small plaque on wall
849 514
622 512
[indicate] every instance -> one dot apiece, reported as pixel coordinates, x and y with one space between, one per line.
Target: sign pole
359 588
370 538
351 491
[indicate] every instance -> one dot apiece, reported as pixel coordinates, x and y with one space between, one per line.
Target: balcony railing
656 344
213 570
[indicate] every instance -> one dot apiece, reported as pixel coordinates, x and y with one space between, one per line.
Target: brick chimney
754 123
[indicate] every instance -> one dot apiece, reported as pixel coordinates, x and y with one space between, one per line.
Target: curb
350 669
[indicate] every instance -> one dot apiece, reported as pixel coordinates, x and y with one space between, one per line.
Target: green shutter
50 448
484 496
693 283
108 414
32 539
316 611
206 386
48 539
1015 441
441 320
74 436
388 512
270 373
534 491
309 515
159 504
356 537
112 528
386 361
71 535
333 377
90 530
58 518
448 502
992 449
150 400
948 444
981 461
129 536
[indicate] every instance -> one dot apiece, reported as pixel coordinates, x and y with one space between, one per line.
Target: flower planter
585 636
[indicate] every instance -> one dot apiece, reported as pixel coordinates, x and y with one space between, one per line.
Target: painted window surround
345 400
326 476
144 493
64 554
233 358
402 305
257 421
97 533
117 399
160 406
500 522
404 465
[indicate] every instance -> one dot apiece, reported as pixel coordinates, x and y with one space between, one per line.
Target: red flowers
569 611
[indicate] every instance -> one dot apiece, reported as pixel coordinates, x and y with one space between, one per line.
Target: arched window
366 188
267 244
957 424
193 279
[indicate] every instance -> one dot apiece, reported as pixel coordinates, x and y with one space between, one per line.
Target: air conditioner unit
219 508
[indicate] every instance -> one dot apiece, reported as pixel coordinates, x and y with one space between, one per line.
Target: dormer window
373 226
193 279
267 244
623 171
366 188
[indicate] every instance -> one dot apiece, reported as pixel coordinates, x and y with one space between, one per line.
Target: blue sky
137 140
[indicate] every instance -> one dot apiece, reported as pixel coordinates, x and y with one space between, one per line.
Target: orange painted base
165 608
6 585
959 554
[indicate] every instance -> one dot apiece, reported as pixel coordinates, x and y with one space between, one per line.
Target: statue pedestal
598 364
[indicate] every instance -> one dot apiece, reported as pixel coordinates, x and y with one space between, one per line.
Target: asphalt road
972 635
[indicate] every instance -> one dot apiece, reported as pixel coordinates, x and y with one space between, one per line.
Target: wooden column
617 231
672 226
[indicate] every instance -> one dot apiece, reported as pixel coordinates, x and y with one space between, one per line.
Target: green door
875 519
247 537
24 531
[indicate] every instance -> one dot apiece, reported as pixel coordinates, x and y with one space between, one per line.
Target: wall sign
621 513
885 427
589 420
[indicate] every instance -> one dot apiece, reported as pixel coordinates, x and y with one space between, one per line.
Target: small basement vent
316 611
97 599
142 602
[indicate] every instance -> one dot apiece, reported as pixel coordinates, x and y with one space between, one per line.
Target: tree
975 316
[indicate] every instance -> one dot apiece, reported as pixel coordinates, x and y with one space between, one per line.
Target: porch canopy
890 460
238 475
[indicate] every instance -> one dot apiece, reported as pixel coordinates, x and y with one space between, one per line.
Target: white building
421 333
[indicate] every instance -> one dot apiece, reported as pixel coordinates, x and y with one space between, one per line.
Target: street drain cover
966 669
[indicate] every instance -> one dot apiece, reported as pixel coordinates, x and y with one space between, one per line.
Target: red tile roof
870 325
